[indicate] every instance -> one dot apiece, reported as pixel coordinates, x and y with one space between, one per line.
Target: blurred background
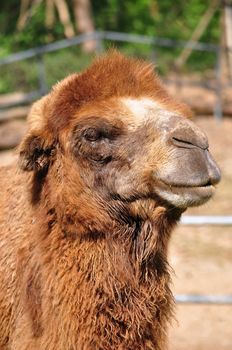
190 43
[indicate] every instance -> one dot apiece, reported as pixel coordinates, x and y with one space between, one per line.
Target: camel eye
92 134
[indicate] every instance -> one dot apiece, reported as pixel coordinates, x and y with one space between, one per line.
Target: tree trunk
64 16
50 14
27 9
199 30
84 22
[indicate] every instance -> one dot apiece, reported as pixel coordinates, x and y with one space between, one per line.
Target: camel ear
37 149
35 154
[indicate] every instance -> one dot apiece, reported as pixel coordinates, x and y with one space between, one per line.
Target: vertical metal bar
153 56
41 75
100 44
218 112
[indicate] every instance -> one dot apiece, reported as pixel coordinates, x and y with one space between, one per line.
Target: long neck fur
108 286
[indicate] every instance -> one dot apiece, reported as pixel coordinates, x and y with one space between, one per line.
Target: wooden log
7 157
14 113
11 133
12 98
201 100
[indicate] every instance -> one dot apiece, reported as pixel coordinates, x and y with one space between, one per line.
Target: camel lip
204 188
205 184
185 196
182 186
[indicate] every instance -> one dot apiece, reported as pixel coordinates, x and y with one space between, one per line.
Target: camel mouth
185 196
201 190
207 184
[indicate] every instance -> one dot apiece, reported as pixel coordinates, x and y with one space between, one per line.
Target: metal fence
100 37
195 220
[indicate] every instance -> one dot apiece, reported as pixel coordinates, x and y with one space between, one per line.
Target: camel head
114 134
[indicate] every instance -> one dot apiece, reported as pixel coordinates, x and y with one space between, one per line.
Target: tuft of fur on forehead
110 76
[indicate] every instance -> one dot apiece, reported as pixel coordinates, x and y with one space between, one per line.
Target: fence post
41 75
99 45
218 113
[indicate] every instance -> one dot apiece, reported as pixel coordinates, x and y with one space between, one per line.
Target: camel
108 164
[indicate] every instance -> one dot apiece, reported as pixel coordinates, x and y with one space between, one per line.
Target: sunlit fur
83 239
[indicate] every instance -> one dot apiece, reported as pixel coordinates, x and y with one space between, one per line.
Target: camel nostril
215 178
213 170
186 135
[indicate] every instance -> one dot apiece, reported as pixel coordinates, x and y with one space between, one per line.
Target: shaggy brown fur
83 234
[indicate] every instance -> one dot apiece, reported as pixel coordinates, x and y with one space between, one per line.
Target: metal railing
200 220
222 220
100 37
203 299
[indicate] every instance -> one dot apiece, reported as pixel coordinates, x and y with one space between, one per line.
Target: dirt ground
201 257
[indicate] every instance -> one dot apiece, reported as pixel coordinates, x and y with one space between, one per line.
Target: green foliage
57 65
124 16
19 76
61 63
163 18
34 34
